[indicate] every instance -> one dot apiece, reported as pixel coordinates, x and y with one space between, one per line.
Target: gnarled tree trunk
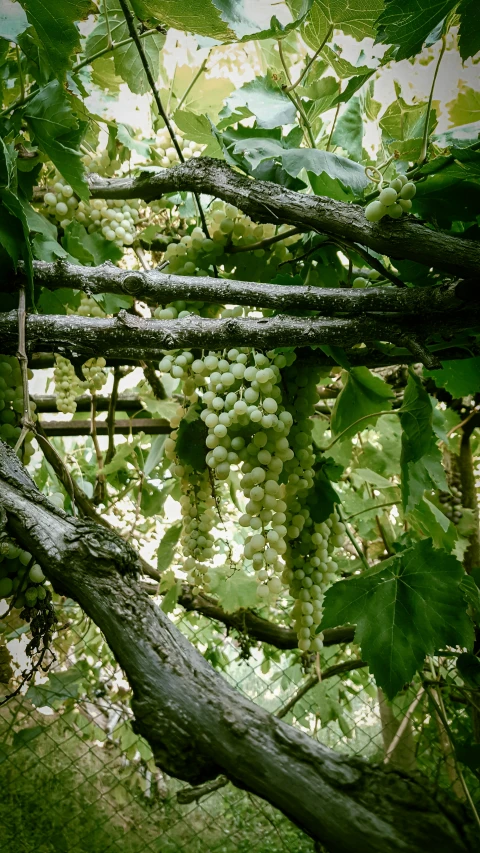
198 726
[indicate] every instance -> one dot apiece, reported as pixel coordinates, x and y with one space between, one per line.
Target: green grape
359 281
408 190
387 196
405 204
375 211
395 211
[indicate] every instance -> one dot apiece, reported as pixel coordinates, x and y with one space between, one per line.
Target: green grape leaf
320 163
91 250
14 233
348 132
362 395
322 497
54 22
403 126
169 600
259 20
465 108
196 16
427 473
13 21
128 64
354 17
431 521
416 417
408 23
460 378
58 133
469 33
125 135
155 454
58 688
236 591
468 666
121 458
190 444
200 129
167 546
366 475
262 98
342 67
404 608
471 594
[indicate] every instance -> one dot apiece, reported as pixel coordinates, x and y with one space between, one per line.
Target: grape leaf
238 590
58 133
196 16
319 163
416 417
200 129
431 521
166 549
13 21
354 17
469 33
128 64
465 108
259 20
362 394
348 132
404 608
263 99
460 378
426 473
468 666
408 23
190 444
54 22
405 123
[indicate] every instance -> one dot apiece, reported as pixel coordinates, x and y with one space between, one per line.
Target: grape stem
27 423
423 150
307 128
309 64
352 539
263 244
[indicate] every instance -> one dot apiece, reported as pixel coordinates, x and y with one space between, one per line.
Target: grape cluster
68 386
20 578
257 408
452 501
166 152
11 404
309 564
88 307
94 373
196 251
394 200
115 220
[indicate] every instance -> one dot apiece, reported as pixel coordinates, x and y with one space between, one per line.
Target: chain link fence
75 778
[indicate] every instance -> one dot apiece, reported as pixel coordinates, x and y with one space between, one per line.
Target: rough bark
129 337
247 622
265 201
197 725
162 288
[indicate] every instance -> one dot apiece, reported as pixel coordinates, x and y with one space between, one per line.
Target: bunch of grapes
11 404
21 579
68 386
88 307
196 251
115 220
94 373
198 515
394 200
166 152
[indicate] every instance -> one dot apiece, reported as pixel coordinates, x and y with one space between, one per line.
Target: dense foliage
328 480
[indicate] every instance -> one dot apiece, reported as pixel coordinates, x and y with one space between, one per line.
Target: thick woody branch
248 622
130 337
197 725
265 201
161 288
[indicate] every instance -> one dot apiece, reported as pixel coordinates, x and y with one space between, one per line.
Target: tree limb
197 725
161 288
248 622
130 337
265 201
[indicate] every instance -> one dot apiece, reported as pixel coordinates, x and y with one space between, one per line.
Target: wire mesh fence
75 778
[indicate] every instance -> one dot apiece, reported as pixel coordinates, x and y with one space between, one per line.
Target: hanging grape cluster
394 200
115 220
68 386
11 404
21 579
165 151
256 408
